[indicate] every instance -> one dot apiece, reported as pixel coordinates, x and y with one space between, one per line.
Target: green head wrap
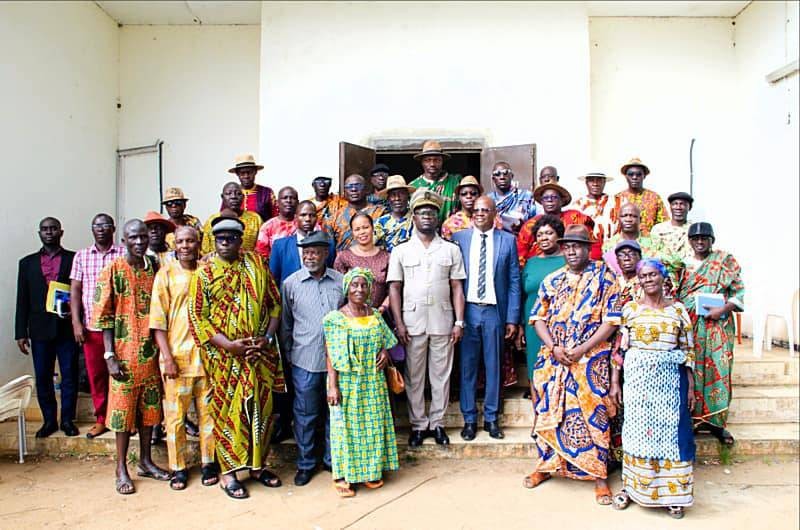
355 273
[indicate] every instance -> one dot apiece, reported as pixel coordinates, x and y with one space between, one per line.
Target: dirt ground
441 494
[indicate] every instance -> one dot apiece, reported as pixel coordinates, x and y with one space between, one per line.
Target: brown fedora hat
576 234
155 217
431 148
243 162
469 180
174 194
566 198
632 163
395 182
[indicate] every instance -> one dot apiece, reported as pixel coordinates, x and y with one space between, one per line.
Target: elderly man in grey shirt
307 296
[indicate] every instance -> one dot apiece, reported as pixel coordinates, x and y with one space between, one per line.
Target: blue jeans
310 407
483 334
45 353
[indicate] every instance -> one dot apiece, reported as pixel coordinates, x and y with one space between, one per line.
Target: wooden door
521 158
354 159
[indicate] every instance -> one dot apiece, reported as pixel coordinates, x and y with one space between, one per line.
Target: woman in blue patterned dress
363 443
657 440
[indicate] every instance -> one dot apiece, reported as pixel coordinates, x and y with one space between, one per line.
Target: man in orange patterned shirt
649 202
595 204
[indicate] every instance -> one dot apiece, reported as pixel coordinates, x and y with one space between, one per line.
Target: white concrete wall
766 36
59 71
196 88
509 72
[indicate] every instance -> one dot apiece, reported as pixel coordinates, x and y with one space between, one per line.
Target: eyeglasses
426 213
498 172
228 239
465 193
104 226
551 198
482 210
354 187
176 202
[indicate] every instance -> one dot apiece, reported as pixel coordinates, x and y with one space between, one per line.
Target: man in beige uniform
425 290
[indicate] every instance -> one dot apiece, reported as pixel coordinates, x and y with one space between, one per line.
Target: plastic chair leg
738 321
21 434
759 323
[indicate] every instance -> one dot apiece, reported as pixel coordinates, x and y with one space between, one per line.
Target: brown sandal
534 479
602 495
375 484
343 489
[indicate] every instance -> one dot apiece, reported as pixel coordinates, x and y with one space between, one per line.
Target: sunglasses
176 202
635 173
465 193
482 210
354 187
498 172
228 239
104 226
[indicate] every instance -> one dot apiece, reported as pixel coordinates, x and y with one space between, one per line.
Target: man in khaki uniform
425 290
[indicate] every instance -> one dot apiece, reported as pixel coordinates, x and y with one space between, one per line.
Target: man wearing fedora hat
157 230
648 201
435 178
514 206
575 314
595 204
326 202
257 198
175 203
553 198
395 227
672 236
467 191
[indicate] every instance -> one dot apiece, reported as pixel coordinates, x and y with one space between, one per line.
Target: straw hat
395 182
155 217
243 162
469 180
174 194
566 198
634 162
431 148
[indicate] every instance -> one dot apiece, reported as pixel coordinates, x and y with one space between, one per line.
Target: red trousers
97 371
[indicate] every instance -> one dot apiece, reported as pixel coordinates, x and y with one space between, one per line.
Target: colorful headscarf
652 262
355 273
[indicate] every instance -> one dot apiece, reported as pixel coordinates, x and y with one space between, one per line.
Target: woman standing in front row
363 443
657 438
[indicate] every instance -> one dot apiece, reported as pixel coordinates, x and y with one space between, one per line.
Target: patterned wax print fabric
719 273
377 200
390 232
271 231
462 221
600 212
517 204
673 240
327 209
657 438
570 402
445 187
237 300
188 220
526 240
252 223
651 206
378 264
339 226
363 443
122 304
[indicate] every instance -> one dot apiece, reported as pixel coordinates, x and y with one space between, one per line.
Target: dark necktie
482 269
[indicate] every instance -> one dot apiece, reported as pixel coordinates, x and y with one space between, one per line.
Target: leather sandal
120 485
157 474
233 487
268 478
375 484
209 474
534 479
179 480
343 488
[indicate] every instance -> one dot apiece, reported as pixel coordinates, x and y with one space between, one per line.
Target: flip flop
343 489
157 475
210 474
179 480
232 487
268 478
96 430
602 495
121 482
534 479
375 484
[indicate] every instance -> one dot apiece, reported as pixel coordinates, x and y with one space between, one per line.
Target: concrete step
751 440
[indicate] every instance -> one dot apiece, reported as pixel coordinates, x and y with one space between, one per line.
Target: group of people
280 318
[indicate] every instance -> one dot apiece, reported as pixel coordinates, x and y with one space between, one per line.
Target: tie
482 269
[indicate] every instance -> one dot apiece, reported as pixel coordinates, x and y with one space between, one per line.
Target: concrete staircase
764 418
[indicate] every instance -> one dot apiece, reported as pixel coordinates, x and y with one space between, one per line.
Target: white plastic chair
14 399
762 330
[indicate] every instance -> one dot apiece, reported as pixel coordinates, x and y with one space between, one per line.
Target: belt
482 305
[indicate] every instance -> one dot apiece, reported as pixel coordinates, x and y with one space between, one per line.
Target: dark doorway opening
402 163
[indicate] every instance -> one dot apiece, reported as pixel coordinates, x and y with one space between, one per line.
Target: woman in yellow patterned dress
657 439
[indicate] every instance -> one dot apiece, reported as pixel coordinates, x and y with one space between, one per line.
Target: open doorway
403 163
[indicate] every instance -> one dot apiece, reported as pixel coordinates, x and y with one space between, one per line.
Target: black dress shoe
440 436
46 430
469 431
69 428
493 429
326 467
416 438
303 477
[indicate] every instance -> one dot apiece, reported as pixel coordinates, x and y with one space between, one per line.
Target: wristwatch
108 355
459 323
270 338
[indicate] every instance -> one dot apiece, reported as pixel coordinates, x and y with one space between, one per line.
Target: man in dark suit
492 293
47 335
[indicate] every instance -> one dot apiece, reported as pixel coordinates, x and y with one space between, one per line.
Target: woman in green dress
547 230
363 443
